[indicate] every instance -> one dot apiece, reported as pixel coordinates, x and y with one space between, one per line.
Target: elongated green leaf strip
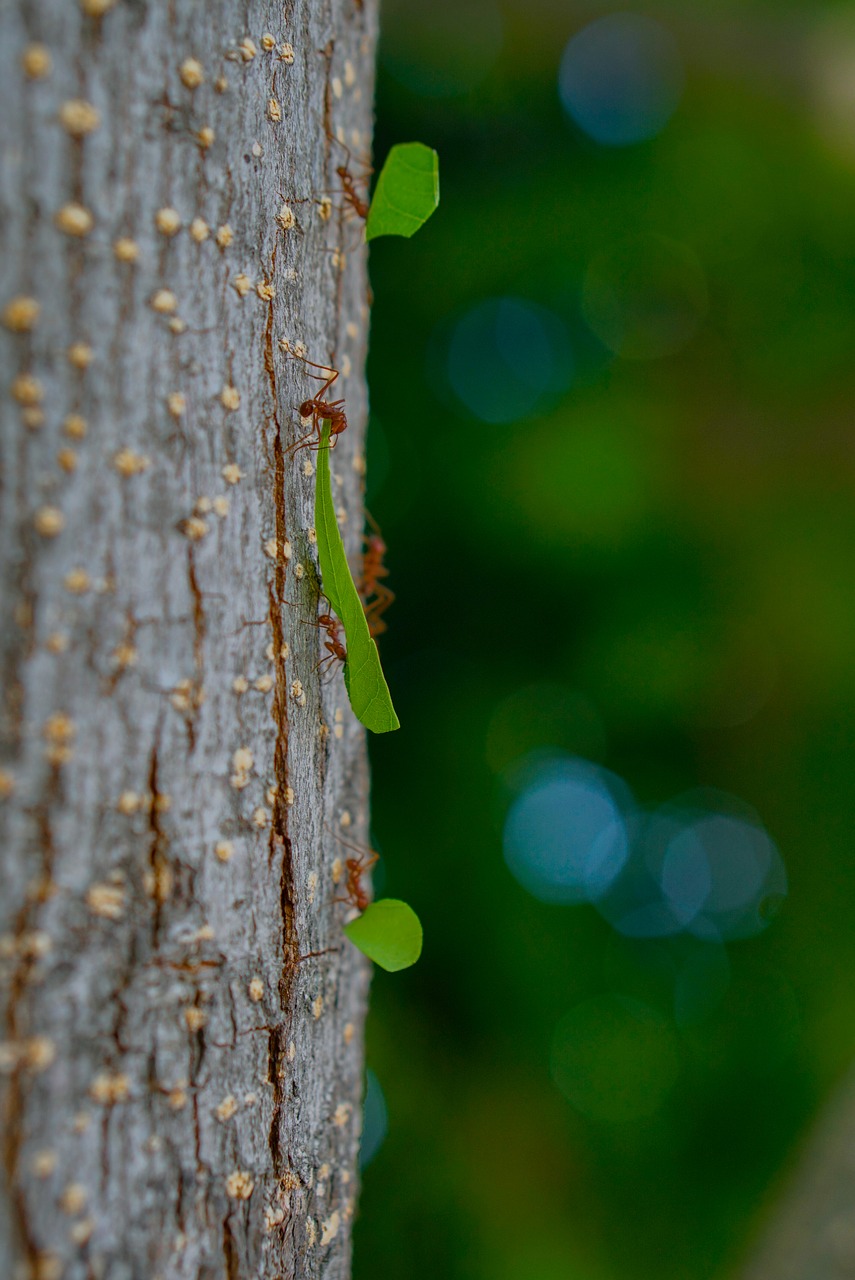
407 191
363 676
389 932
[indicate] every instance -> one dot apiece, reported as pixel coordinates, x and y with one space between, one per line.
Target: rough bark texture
811 1232
181 1074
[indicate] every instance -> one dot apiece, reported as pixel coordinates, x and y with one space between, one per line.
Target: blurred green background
612 454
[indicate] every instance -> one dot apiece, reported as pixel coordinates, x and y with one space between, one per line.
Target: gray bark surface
181 1075
810 1234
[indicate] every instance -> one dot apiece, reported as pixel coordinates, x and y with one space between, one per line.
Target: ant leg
374 525
357 848
311 954
325 448
306 441
328 367
384 597
329 658
321 379
295 448
378 606
301 443
363 164
328 382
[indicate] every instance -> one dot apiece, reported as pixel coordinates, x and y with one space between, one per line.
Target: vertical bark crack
275 1069
197 692
231 1256
160 872
280 842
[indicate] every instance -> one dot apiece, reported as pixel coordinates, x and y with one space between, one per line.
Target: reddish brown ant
356 893
321 410
332 626
348 182
327 622
373 569
356 868
333 643
351 195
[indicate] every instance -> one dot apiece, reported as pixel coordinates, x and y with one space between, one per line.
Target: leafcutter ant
321 410
357 895
351 195
333 643
352 198
355 892
373 569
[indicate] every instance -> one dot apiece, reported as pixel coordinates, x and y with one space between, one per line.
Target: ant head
306 409
376 543
342 171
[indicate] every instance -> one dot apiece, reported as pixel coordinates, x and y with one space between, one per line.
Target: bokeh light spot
702 865
621 79
686 876
509 358
645 298
565 836
615 1059
745 872
635 904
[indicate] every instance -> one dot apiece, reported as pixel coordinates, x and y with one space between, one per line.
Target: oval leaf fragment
389 932
363 676
407 191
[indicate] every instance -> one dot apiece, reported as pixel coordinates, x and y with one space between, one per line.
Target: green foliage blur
653 569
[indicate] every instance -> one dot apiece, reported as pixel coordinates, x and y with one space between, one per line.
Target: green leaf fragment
363 676
389 932
407 191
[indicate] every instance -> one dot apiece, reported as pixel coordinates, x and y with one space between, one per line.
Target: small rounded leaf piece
389 932
407 191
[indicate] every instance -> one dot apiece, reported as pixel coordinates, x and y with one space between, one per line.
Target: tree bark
182 1053
810 1234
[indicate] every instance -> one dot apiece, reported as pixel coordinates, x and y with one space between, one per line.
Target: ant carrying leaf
363 676
320 410
388 931
356 867
376 596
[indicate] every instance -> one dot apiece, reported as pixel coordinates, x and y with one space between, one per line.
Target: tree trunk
182 1052
811 1231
